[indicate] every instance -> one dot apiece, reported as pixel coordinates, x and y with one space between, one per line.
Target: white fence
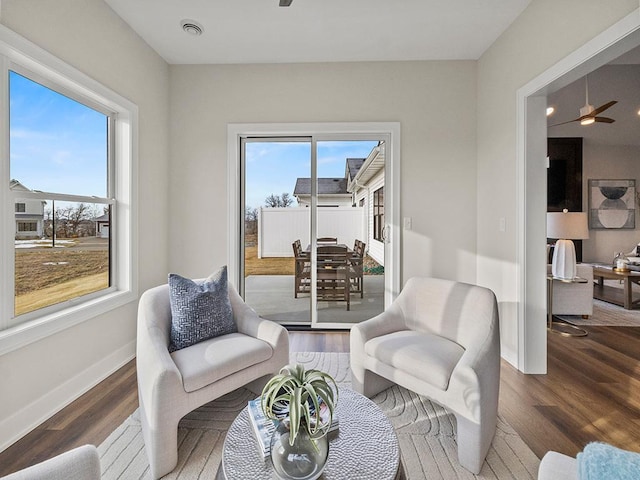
278 228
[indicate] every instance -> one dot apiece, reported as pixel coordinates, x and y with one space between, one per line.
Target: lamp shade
567 225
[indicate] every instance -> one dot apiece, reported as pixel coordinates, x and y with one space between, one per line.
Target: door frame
531 143
387 131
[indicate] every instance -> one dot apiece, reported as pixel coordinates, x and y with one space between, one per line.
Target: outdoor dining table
333 281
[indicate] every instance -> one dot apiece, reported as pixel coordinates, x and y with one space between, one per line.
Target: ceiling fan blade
285 3
564 123
602 108
604 120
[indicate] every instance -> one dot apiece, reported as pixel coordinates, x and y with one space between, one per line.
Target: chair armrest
389 321
478 370
158 376
250 323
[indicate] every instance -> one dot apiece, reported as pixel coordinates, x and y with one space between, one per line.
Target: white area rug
605 315
426 433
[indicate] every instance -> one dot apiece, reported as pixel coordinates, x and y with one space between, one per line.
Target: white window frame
24 57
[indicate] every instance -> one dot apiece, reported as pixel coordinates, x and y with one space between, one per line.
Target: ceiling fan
589 114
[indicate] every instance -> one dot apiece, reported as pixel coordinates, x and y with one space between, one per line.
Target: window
68 175
27 226
378 214
60 146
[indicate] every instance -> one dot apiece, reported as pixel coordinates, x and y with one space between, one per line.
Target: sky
274 167
59 145
56 144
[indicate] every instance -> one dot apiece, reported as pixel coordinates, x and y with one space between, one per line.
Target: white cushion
207 362
410 351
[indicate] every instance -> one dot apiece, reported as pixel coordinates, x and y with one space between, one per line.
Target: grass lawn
45 277
284 265
266 266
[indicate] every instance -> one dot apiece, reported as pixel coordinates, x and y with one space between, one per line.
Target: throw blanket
599 461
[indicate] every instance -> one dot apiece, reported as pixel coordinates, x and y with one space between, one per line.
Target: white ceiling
259 31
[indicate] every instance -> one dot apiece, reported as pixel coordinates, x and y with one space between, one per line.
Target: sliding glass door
350 268
313 229
276 230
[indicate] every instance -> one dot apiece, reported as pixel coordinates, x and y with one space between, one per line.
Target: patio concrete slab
272 297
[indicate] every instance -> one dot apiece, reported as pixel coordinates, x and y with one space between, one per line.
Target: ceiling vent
192 27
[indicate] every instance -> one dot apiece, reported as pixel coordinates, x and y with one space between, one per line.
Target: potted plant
303 402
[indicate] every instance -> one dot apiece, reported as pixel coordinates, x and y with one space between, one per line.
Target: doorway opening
532 200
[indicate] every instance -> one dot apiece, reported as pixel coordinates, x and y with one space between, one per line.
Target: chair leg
368 383
161 445
473 441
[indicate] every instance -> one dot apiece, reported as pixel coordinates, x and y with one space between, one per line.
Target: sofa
574 298
598 460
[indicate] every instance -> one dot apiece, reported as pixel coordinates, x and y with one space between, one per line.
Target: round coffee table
364 447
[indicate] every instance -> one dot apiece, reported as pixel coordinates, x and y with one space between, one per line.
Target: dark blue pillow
199 311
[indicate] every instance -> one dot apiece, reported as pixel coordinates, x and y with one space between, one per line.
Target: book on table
264 427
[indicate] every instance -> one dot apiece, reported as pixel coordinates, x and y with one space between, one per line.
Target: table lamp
566 226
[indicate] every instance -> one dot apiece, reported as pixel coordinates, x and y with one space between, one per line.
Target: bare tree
77 215
250 220
272 201
285 200
281 201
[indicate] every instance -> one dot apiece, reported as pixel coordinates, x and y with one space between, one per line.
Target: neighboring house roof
353 165
369 168
326 186
16 185
103 218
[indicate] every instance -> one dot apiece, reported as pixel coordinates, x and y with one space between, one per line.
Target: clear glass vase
304 460
620 262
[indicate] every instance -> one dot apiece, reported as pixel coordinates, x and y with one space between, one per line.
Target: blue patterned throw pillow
199 311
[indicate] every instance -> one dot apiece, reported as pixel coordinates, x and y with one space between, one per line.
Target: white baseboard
25 420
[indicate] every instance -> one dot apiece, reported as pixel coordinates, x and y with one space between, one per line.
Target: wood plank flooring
592 392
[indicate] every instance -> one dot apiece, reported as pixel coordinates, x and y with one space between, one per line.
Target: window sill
31 331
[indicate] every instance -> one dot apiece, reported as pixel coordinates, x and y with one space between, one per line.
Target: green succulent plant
298 393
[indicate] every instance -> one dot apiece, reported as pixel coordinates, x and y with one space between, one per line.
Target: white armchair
82 463
170 385
574 298
439 339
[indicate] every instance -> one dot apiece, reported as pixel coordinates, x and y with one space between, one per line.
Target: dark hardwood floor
592 392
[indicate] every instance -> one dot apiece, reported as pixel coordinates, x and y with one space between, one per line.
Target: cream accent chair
170 385
574 298
82 463
440 339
